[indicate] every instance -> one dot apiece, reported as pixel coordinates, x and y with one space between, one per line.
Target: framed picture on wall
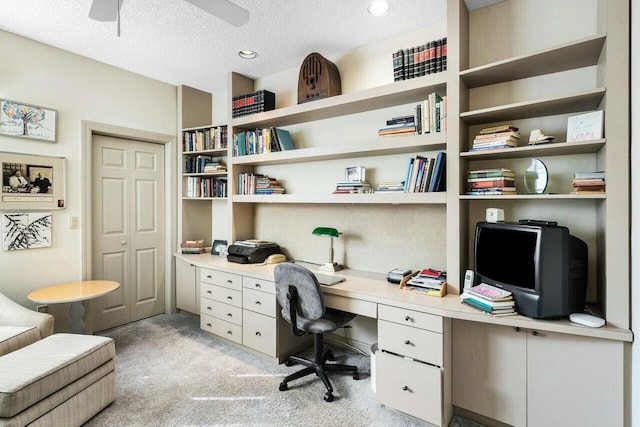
27 121
31 182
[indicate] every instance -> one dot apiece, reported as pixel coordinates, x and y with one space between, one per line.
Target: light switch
73 222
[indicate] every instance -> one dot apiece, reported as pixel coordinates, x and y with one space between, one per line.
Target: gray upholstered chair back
310 302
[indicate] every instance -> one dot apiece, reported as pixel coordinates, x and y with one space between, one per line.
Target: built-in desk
450 375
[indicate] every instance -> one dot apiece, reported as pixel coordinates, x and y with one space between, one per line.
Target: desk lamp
332 233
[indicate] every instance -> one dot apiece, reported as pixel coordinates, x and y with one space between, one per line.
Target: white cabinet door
489 372
187 294
574 380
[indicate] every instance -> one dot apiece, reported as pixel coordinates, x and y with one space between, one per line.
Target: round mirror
536 177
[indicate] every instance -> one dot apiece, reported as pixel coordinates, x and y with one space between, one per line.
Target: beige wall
80 89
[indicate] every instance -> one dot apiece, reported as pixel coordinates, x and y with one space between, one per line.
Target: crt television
543 265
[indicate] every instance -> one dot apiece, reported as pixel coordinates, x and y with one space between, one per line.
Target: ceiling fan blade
105 10
223 9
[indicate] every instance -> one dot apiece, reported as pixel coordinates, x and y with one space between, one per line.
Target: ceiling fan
109 11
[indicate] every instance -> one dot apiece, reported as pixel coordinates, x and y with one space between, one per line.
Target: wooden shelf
382 146
217 151
535 197
583 101
220 174
372 198
553 149
204 198
581 53
397 93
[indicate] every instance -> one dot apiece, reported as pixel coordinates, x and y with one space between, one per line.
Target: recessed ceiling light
379 7
247 54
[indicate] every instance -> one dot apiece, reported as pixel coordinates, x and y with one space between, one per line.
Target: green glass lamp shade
325 231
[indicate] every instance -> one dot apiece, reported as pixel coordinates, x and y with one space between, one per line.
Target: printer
251 251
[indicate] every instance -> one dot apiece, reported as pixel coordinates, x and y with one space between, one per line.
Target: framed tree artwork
27 121
31 182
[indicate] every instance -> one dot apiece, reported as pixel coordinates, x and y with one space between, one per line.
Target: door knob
124 242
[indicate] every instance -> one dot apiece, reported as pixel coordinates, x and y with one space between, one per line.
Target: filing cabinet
410 363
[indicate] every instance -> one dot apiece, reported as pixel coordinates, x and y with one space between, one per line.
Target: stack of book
503 136
352 187
214 166
261 141
390 187
588 182
398 126
250 183
251 103
491 182
192 247
489 299
426 174
417 61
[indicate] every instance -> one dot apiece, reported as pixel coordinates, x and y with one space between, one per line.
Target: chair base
318 366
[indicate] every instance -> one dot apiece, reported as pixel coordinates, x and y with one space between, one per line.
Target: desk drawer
222 294
259 284
221 328
410 318
410 387
259 332
351 305
222 311
260 302
412 342
221 278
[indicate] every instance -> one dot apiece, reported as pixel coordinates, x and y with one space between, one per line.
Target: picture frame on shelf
585 127
354 174
219 248
31 182
22 120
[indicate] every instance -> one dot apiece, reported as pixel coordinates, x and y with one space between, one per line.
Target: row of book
426 174
261 141
198 187
491 182
588 182
417 61
252 103
214 138
203 164
489 299
353 187
192 246
503 136
430 117
251 183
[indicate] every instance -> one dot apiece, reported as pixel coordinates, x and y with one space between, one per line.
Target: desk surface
373 287
73 291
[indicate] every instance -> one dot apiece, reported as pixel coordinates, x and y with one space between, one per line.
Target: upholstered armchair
13 314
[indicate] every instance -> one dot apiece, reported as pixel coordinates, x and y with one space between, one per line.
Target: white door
128 229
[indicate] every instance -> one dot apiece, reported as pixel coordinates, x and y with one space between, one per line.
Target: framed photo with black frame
31 182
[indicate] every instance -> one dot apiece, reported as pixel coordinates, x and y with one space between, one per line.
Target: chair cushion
14 337
332 320
32 373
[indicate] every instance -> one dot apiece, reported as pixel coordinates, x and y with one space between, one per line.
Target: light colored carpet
171 373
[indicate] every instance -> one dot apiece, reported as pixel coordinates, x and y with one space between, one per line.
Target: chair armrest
13 314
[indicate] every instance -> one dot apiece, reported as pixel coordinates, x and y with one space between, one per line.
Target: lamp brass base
330 266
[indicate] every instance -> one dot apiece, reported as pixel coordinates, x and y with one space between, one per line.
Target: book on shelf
487 303
490 173
493 191
589 182
498 128
250 183
490 182
417 61
192 246
589 175
352 187
252 103
198 187
390 187
497 137
212 138
489 292
490 312
261 141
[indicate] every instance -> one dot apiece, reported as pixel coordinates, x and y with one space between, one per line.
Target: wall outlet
42 308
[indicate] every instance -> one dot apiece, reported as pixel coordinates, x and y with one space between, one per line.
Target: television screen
508 256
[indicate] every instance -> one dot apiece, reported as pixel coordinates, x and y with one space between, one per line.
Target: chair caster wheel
283 386
328 397
288 363
330 356
356 376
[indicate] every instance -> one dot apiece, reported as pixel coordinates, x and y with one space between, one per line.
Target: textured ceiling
178 43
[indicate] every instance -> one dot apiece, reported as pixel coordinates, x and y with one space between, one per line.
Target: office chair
299 295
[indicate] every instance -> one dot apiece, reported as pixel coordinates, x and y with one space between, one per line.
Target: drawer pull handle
229 314
407 319
209 292
230 297
258 303
407 342
258 334
209 324
258 285
229 281
229 332
517 328
209 308
535 333
405 388
208 276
